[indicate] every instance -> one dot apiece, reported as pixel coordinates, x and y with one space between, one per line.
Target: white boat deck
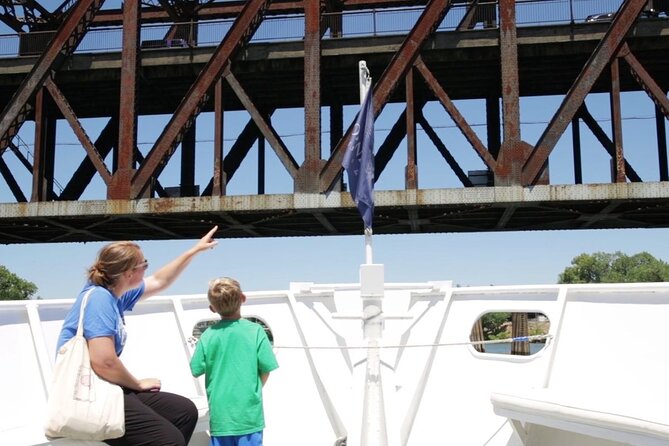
607 350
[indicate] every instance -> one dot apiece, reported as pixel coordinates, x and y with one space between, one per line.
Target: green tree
493 325
12 287
602 267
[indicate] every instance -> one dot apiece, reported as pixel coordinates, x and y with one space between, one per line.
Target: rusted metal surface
411 172
79 132
83 175
249 135
187 184
14 187
231 9
44 147
32 14
307 178
120 186
389 146
63 43
466 64
265 127
11 182
21 157
441 147
646 81
508 44
513 151
616 123
606 49
661 128
606 142
203 11
439 210
468 21
456 116
37 193
218 179
493 125
238 152
576 149
239 34
401 62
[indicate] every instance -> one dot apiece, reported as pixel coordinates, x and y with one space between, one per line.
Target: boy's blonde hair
225 296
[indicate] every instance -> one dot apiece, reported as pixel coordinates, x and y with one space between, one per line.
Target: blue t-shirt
103 315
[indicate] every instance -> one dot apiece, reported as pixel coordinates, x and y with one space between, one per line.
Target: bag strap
84 301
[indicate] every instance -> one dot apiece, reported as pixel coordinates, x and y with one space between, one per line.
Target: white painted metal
365 79
436 390
374 431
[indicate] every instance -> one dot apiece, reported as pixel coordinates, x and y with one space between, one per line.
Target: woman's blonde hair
225 296
112 261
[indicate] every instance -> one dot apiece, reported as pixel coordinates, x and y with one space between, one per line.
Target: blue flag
359 161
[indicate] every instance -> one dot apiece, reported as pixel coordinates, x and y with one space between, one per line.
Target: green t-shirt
232 354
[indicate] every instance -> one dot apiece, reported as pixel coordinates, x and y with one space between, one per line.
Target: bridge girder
44 96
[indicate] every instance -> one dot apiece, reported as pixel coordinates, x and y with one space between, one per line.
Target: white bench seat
639 418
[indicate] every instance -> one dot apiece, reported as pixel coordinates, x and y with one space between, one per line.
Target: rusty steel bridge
194 63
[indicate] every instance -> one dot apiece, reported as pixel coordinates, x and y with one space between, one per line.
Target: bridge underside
604 206
426 66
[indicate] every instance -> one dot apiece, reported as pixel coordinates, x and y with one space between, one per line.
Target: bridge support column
120 186
493 125
661 125
513 151
187 184
411 173
618 171
219 180
45 147
308 174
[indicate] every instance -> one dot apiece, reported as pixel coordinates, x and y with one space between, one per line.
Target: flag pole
373 430
365 79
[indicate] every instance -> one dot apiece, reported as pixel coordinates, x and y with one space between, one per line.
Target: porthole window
264 325
506 333
202 325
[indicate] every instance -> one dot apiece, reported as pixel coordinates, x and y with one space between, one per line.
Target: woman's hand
149 385
207 242
165 276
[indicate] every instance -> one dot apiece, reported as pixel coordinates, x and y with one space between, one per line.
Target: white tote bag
82 405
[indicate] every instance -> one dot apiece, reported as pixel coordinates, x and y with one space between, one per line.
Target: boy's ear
212 309
243 297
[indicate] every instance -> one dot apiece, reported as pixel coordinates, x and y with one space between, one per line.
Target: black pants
157 419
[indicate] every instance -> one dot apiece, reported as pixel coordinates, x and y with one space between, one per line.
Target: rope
447 344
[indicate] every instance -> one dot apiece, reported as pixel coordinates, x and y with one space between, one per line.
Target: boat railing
434 381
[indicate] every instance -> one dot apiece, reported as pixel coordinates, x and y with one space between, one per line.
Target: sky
508 258
468 259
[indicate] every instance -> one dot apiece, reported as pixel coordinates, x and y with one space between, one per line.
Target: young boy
236 357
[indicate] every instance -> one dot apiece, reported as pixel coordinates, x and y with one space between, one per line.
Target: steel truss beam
93 154
600 58
315 175
239 34
401 63
63 43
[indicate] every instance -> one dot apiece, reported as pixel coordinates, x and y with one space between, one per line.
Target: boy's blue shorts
254 439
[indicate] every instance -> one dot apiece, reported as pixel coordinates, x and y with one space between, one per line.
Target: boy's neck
231 317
